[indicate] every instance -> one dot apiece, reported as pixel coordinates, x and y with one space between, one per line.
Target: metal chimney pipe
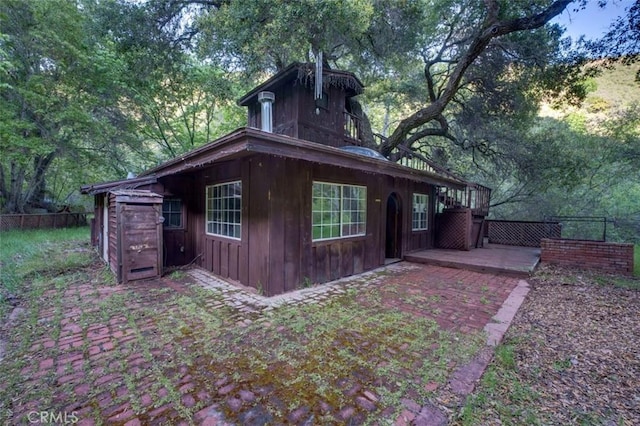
266 100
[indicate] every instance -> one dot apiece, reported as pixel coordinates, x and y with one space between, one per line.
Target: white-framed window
338 211
172 213
224 209
420 212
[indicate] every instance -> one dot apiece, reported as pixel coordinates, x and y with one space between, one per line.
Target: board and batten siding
276 253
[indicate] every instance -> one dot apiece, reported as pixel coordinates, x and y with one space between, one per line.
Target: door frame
393 227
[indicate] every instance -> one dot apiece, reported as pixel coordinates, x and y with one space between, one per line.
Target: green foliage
35 252
262 34
57 100
94 89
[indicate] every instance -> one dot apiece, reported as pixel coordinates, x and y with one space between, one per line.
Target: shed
132 233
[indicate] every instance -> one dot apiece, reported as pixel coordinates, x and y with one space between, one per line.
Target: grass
501 394
636 260
34 253
291 358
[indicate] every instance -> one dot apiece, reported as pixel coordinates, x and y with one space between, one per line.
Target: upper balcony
473 196
352 129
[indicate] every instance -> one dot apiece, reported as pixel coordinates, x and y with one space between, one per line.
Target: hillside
616 86
614 89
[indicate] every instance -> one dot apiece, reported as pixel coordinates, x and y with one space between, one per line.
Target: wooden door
141 241
393 240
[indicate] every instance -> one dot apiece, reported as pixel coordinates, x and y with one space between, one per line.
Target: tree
456 40
188 110
622 41
59 99
457 52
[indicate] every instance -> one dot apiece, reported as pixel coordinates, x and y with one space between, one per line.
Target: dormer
289 97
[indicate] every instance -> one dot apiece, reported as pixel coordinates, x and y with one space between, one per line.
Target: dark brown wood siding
226 257
284 112
140 240
178 242
295 114
114 259
318 124
275 253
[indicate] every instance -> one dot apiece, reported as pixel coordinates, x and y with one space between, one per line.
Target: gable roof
304 74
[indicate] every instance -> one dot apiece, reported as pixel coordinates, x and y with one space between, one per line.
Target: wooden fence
41 221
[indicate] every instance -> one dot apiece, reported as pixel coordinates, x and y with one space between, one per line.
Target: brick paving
112 369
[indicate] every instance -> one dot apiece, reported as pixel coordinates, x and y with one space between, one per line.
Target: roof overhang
124 184
305 74
248 141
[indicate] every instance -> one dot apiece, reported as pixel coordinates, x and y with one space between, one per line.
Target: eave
248 141
101 188
291 73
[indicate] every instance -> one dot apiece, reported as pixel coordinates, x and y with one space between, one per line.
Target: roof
248 141
304 73
122 184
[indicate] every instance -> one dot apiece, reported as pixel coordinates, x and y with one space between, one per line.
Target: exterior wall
609 257
226 257
294 114
179 242
275 253
112 219
321 125
284 113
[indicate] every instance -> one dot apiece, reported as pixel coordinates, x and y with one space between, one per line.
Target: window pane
172 213
337 210
420 212
224 209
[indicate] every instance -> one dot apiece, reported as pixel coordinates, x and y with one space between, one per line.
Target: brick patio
93 363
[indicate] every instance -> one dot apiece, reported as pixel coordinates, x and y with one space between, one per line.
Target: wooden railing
417 161
473 196
353 128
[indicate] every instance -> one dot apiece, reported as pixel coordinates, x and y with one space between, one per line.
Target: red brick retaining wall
609 257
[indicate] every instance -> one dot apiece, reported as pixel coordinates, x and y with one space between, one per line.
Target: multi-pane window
224 209
338 210
420 212
172 213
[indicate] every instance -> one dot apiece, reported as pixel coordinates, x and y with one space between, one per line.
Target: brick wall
608 257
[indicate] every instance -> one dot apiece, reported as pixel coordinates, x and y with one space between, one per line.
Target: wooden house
282 203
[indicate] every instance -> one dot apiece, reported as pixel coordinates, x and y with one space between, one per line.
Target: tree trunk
15 202
37 189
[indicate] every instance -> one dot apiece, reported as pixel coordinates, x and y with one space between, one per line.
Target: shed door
141 239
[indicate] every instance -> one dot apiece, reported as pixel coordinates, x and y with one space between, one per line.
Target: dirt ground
571 355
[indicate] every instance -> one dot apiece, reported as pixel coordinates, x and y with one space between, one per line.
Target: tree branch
491 29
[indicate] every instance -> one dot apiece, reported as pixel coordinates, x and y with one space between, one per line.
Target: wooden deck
509 260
